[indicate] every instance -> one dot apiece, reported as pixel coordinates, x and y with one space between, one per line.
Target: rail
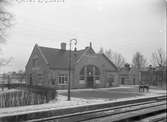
89 112
89 115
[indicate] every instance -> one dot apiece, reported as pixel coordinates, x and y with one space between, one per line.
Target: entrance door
110 81
134 81
90 73
90 82
122 80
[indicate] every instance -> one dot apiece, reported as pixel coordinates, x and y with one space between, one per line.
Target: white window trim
61 76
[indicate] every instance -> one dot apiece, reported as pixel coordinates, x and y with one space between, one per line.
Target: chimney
127 66
90 44
63 46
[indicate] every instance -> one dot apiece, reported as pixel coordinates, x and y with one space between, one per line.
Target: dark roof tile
58 58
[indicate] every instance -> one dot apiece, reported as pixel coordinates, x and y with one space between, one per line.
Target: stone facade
50 66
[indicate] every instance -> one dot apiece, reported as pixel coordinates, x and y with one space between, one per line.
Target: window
82 77
82 71
90 71
97 72
82 74
62 79
97 78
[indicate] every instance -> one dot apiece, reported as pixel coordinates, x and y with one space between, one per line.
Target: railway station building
50 67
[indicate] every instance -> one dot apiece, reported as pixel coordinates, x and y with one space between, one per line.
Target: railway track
114 113
157 118
118 111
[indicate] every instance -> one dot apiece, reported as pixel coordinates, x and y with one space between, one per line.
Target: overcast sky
125 26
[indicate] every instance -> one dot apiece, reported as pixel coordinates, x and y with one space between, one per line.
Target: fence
20 94
21 98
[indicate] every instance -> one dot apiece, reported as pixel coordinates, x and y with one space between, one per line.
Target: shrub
22 98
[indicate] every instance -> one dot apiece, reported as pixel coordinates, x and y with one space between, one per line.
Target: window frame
62 79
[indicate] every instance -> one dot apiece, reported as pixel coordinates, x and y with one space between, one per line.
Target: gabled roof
58 58
109 61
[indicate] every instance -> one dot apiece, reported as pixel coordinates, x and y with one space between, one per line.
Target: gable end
110 61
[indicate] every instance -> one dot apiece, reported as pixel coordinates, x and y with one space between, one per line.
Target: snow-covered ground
62 91
8 90
62 102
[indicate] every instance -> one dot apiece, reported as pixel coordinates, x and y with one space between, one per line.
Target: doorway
90 73
90 82
122 81
134 81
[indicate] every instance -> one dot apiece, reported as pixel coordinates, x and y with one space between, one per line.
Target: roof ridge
59 48
110 61
58 58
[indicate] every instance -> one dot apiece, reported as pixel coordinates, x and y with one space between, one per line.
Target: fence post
8 82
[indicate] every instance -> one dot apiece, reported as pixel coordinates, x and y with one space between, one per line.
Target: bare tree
159 58
139 61
4 62
21 77
101 50
5 19
5 23
115 57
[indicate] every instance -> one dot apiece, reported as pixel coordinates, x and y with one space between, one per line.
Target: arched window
82 74
90 71
97 73
82 71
